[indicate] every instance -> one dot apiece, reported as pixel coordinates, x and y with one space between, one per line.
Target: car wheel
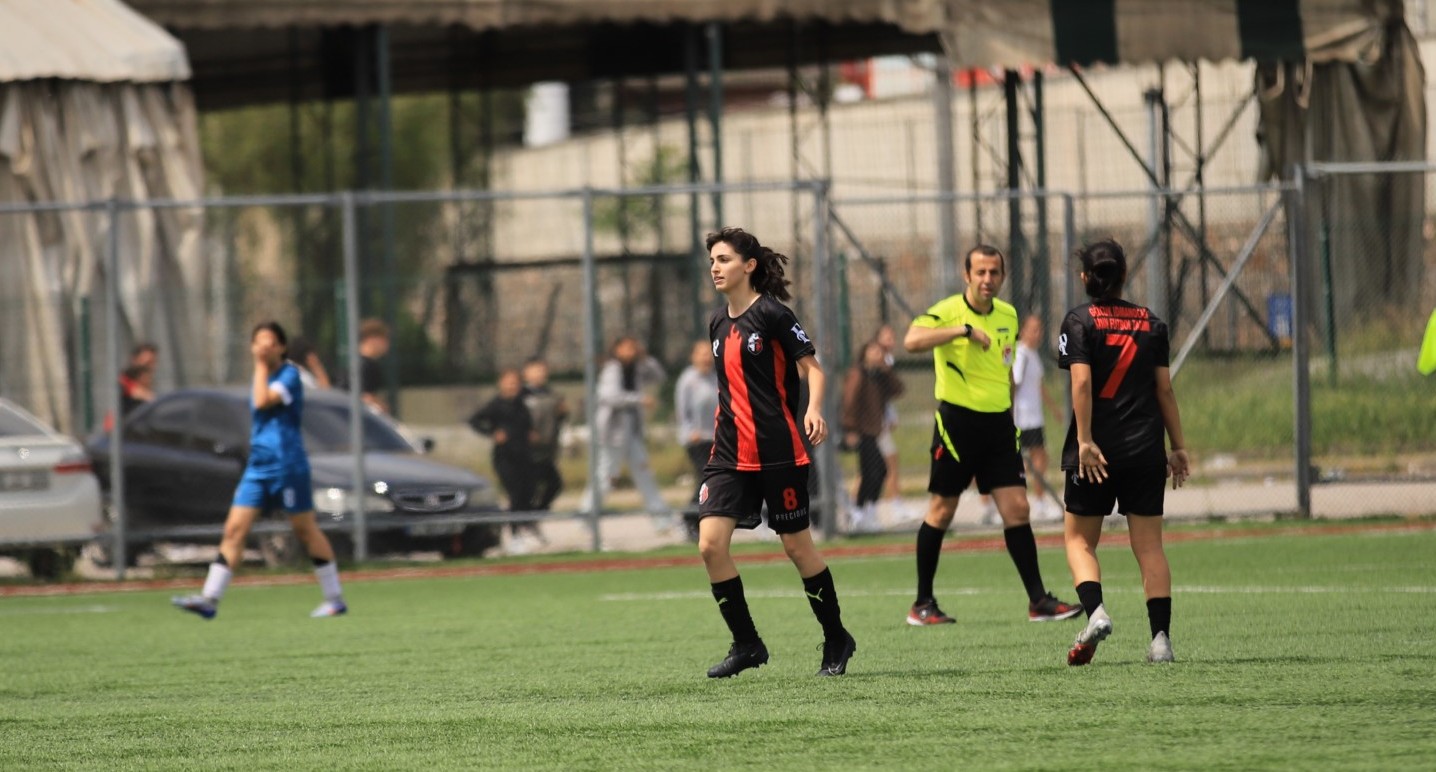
100 553
280 549
50 564
476 540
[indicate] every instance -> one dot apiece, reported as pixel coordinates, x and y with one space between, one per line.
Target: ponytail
767 278
1105 266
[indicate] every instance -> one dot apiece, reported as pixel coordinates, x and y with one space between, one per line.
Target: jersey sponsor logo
785 516
1062 344
703 494
715 348
1121 319
755 343
800 334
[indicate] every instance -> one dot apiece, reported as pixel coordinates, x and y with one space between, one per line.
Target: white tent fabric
111 122
103 41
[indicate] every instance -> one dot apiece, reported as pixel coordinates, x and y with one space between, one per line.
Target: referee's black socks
823 598
929 548
1022 546
734 608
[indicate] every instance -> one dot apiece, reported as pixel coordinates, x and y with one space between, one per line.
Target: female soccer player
758 451
1122 400
277 476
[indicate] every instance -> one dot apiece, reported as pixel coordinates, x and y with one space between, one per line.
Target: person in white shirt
1029 396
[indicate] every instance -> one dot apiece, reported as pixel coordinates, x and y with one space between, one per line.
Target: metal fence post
591 347
1300 335
350 238
119 551
827 466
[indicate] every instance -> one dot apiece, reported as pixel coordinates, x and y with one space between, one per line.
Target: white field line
1193 589
38 610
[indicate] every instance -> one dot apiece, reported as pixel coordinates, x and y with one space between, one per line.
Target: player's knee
712 549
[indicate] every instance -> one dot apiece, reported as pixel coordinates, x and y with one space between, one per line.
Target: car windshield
13 424
326 430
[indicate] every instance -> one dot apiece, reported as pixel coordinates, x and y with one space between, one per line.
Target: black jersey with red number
1124 344
758 424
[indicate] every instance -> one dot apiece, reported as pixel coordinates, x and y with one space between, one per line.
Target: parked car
185 451
49 498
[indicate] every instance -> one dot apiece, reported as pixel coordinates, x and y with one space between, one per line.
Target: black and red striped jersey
1124 344
758 424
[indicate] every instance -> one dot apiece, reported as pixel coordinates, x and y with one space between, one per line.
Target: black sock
319 562
929 547
220 560
1159 615
734 609
1090 593
1022 546
823 598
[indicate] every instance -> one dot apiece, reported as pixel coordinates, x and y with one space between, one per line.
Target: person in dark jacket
506 419
869 386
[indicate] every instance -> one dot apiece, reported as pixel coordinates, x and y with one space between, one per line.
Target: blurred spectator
373 345
868 387
887 444
548 411
1029 396
137 381
622 398
506 419
139 388
312 372
695 403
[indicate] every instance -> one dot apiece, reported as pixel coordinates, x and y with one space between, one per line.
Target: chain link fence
473 286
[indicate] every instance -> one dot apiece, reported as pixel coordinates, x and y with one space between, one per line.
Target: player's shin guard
217 581
823 598
328 576
734 608
1090 593
1159 615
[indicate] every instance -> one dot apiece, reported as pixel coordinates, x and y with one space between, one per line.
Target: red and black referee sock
734 608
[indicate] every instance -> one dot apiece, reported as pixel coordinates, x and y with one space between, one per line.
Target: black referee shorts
1138 490
741 495
968 445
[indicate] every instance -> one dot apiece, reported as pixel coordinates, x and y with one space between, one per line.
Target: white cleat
1161 649
329 608
1099 626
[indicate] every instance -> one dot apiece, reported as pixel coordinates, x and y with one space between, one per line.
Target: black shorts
741 495
1137 490
1028 439
967 444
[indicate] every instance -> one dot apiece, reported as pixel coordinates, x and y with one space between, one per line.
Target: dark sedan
184 454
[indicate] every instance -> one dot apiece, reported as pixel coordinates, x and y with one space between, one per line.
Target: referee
972 337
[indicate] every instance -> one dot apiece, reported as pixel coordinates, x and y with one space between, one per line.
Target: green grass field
1295 651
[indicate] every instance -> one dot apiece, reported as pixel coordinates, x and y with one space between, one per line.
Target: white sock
217 581
328 575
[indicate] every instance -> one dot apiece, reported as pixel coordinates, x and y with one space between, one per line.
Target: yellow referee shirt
967 376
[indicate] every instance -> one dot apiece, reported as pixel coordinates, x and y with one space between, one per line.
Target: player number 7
1128 352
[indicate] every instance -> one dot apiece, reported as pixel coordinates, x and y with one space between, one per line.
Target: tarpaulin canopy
92 106
102 41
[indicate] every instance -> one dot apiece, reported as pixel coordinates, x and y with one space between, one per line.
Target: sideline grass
1294 651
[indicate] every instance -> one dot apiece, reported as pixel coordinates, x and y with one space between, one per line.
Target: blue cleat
329 608
196 604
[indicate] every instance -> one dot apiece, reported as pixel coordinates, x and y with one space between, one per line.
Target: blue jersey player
276 477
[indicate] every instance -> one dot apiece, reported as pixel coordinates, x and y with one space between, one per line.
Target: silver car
49 497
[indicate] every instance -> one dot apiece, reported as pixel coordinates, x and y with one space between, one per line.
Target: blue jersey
276 444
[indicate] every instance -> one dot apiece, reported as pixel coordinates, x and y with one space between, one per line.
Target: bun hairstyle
1105 266
767 278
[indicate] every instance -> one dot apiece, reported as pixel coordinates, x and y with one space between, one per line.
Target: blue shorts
291 493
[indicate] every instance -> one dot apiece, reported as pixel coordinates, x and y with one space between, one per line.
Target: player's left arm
1178 463
813 423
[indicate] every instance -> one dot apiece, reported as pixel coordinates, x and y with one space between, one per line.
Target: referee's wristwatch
966 330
